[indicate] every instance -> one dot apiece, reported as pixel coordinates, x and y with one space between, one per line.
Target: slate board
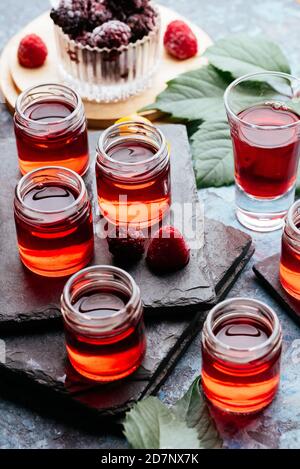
267 271
36 371
26 297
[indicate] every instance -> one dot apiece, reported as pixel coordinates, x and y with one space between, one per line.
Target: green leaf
195 95
212 155
194 411
242 54
151 425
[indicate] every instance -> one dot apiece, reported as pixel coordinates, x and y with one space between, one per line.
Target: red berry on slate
32 51
168 251
180 41
126 245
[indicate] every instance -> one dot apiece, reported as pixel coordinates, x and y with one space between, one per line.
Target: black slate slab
26 297
267 271
35 369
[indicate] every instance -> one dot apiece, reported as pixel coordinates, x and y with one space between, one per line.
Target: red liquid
107 358
241 387
266 161
290 269
67 148
55 248
141 203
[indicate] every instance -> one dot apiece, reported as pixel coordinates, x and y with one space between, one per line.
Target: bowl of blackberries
108 50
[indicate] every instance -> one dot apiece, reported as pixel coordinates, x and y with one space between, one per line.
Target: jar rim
85 319
246 77
150 127
290 216
60 86
236 301
47 168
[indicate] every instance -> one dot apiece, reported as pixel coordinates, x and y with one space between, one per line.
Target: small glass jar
133 174
51 129
290 252
104 326
241 349
54 222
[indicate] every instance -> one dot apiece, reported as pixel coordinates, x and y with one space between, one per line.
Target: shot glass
263 111
290 252
241 350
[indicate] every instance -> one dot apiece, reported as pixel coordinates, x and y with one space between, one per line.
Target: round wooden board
14 78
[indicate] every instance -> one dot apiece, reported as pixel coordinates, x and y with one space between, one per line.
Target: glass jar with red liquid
51 129
264 115
104 326
241 350
54 222
133 174
290 252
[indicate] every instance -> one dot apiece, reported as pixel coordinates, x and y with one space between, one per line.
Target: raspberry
32 51
99 13
168 251
180 41
112 35
126 245
71 16
142 23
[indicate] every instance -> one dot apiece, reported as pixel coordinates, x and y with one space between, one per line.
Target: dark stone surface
26 297
267 272
38 361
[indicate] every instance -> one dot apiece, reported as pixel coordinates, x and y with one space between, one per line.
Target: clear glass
104 342
135 193
290 252
263 111
54 242
105 75
241 367
51 129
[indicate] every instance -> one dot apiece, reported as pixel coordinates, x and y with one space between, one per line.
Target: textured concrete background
277 426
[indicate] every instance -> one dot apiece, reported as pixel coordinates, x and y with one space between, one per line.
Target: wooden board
14 78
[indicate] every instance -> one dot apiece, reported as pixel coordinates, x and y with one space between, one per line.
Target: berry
86 39
112 35
180 41
32 51
71 16
126 245
127 7
99 13
142 23
168 251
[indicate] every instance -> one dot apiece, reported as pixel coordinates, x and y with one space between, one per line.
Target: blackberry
86 39
71 16
127 246
112 35
124 8
142 23
99 13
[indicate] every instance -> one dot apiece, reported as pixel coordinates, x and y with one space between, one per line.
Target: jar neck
291 234
97 279
52 175
243 308
44 94
132 133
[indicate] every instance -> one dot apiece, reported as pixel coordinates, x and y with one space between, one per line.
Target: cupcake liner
109 75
